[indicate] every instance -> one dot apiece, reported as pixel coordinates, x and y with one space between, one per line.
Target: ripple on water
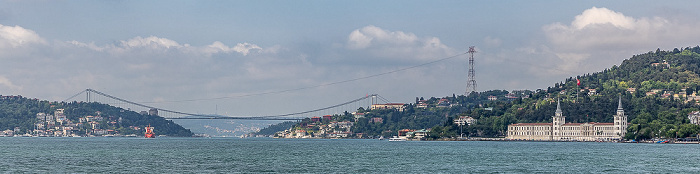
232 155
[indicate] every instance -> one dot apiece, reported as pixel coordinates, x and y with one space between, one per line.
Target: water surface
265 155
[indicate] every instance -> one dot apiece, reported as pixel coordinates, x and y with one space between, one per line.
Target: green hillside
658 90
20 112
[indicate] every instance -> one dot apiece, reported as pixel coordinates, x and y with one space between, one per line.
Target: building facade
397 106
559 130
694 117
465 120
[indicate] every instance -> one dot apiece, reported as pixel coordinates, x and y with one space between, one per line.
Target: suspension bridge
92 95
367 101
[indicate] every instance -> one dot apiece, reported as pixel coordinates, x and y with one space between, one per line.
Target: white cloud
243 48
597 16
12 37
396 44
150 42
599 37
601 28
159 45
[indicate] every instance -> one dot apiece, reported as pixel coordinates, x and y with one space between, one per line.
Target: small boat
396 139
381 138
149 132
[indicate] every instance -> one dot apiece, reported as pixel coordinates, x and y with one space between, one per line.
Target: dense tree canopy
655 88
20 112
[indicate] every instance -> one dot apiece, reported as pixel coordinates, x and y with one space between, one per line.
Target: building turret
620 111
558 111
557 120
620 120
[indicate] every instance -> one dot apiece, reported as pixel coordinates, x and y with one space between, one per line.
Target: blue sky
160 51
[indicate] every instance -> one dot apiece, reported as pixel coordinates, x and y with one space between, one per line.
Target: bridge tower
471 82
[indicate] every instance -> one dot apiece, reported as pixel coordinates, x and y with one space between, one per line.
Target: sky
232 57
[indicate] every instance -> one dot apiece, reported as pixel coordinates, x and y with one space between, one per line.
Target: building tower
557 121
471 82
620 120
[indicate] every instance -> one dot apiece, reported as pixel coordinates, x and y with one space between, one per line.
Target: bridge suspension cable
316 86
209 116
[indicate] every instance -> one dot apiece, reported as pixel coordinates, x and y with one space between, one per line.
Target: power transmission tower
471 83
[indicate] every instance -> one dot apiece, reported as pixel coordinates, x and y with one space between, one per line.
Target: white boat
396 139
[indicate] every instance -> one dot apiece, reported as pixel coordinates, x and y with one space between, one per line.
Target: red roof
572 124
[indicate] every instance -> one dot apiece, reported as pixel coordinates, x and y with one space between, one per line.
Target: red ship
149 132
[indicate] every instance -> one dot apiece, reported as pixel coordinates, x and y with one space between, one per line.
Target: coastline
660 141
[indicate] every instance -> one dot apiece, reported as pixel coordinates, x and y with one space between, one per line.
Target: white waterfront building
559 130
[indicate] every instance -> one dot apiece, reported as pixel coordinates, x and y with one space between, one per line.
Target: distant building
41 117
492 98
60 115
592 92
376 120
300 133
422 104
358 116
559 130
315 119
664 64
511 96
397 106
404 132
694 117
327 117
465 120
153 112
650 93
443 103
419 133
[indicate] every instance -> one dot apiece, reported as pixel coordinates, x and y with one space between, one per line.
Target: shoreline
503 139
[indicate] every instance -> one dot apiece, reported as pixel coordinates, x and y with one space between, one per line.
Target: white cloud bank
598 34
156 68
154 43
50 70
396 44
13 37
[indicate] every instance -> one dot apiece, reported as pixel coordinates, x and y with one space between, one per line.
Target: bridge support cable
145 106
321 109
71 97
204 116
321 85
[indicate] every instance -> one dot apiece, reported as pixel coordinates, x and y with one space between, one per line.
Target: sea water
267 155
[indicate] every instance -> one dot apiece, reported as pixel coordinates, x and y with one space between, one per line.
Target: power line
316 86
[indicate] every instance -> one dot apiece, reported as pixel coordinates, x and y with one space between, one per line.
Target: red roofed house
327 117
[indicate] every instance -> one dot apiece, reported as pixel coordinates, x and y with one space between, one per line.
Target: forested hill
80 118
658 89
